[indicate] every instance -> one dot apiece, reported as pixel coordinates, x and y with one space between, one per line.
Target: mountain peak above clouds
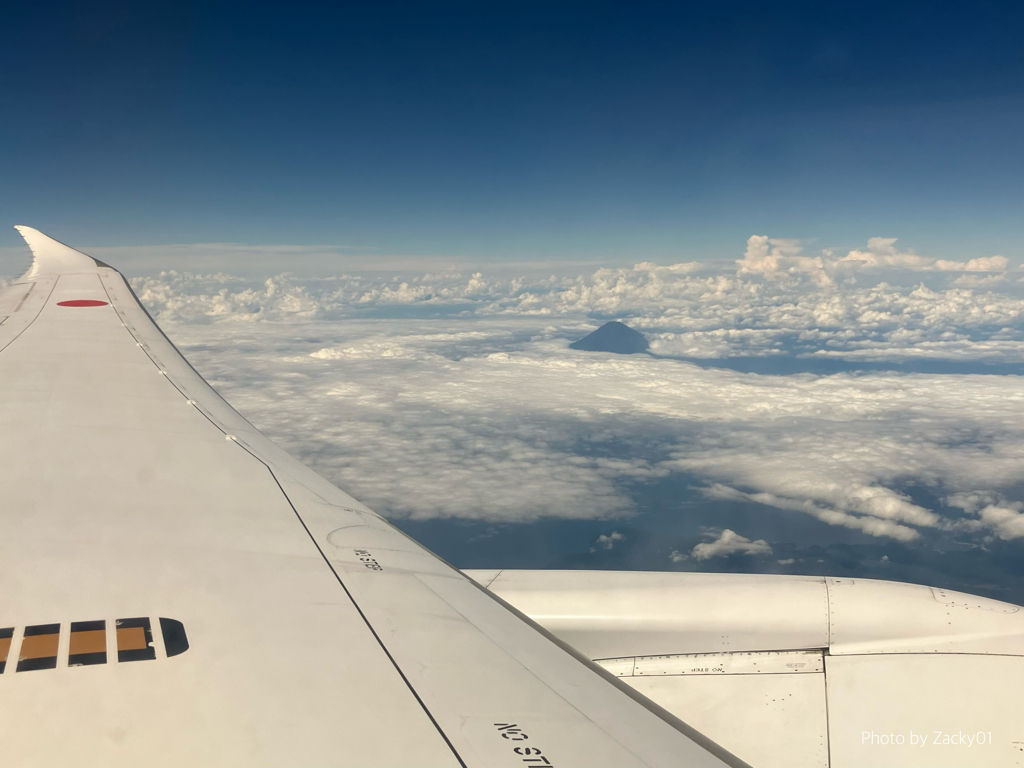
613 337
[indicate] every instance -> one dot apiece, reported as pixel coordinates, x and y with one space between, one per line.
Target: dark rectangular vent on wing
175 640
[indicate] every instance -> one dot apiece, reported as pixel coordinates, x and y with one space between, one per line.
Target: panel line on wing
27 323
362 615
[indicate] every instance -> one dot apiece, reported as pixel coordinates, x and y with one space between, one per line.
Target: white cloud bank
777 302
1005 517
454 395
427 418
775 258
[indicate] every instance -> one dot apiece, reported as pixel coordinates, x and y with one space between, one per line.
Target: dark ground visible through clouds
672 517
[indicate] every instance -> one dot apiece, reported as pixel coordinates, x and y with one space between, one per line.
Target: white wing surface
177 590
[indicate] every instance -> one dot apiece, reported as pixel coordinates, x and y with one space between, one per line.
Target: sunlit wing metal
306 629
805 671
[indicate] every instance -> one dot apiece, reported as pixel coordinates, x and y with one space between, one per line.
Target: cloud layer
774 302
454 395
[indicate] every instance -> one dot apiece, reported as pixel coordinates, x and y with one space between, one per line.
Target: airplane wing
177 590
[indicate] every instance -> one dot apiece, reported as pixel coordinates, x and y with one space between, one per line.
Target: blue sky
517 131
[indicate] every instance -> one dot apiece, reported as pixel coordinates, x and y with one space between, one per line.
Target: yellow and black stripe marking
39 645
134 640
88 643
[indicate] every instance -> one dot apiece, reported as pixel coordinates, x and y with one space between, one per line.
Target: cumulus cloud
607 542
1006 521
882 252
1004 518
777 258
205 298
982 264
724 543
773 257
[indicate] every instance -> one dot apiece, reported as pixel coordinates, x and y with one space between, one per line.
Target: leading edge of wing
492 681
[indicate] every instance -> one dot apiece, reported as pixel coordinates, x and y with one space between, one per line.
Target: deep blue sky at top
567 130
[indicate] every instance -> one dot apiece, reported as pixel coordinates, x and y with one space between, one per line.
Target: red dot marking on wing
82 303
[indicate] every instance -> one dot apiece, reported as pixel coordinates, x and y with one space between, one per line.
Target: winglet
51 257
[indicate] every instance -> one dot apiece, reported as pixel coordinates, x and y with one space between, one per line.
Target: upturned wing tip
52 257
